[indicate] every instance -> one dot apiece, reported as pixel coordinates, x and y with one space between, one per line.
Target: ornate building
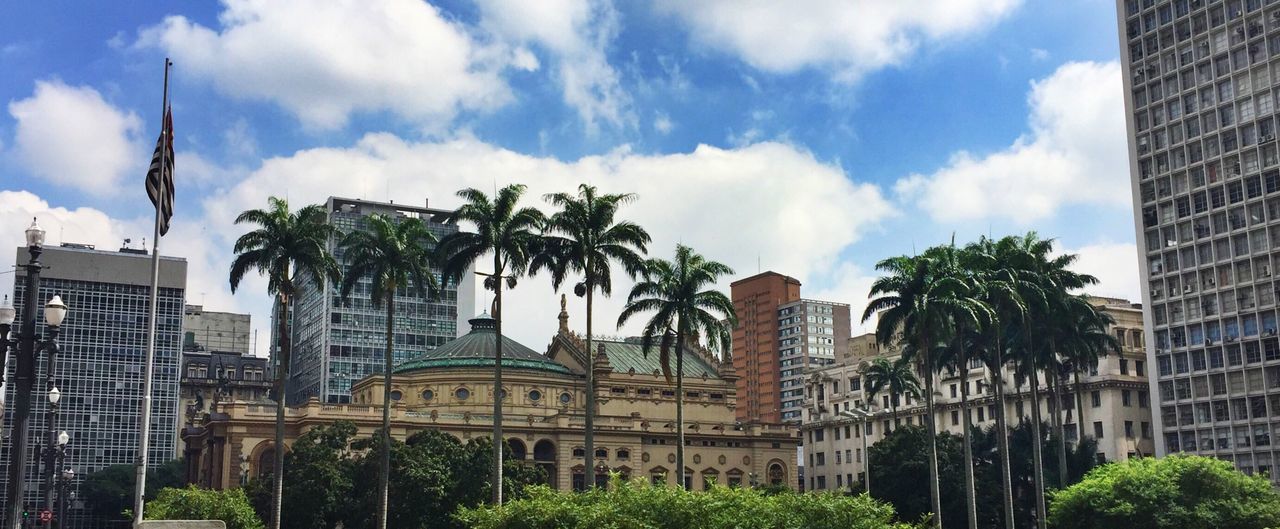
450 389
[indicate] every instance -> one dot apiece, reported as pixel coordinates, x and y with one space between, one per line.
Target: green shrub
637 504
230 506
1173 492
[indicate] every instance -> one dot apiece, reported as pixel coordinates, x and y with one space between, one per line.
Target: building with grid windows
100 364
336 342
1114 402
1200 93
810 333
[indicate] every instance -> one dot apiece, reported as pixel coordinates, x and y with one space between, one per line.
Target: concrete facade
1200 97
207 330
810 335
1117 408
756 300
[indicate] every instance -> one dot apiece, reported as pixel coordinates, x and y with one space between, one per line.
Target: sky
812 138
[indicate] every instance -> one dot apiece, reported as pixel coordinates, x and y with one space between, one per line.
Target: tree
318 476
919 299
683 308
108 493
230 506
1172 492
391 256
896 377
510 235
584 238
638 504
285 246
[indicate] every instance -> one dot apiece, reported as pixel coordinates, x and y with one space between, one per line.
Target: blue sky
813 139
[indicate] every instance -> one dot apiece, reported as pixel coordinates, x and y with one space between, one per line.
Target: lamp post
55 454
54 312
7 314
24 378
64 493
863 416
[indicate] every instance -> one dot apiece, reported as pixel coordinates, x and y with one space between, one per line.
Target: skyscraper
100 364
1205 176
755 343
336 343
810 333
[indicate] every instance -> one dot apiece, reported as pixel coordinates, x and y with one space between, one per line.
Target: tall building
207 330
100 364
756 300
1116 406
1205 177
808 333
337 342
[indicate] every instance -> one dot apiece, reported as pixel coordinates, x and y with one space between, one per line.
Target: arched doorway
518 449
544 456
777 473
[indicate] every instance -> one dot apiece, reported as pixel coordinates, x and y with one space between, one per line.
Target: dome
476 349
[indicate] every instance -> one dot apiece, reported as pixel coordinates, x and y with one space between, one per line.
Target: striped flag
160 175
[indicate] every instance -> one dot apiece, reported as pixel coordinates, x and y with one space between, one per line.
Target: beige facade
1116 406
207 330
451 389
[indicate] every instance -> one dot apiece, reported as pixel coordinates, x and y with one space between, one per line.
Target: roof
476 349
628 354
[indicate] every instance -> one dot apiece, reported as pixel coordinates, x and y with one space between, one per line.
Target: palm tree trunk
1002 431
1079 408
496 478
1060 431
1036 450
680 405
277 485
971 502
591 394
385 477
934 495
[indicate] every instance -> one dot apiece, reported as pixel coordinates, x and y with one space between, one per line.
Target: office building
207 330
450 389
1200 97
756 300
337 342
808 334
100 367
1116 406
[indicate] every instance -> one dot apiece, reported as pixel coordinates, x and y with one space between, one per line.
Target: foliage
108 493
899 460
637 504
231 506
1173 492
508 233
897 377
284 244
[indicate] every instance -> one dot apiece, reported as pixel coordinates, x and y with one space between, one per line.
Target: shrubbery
1173 492
638 504
230 506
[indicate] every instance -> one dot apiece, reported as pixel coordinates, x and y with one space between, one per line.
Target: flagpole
140 485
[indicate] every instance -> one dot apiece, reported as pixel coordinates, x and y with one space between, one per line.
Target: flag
160 174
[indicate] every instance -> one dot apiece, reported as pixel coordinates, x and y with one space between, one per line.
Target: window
1126 398
1128 429
955 418
1097 429
1095 399
1124 366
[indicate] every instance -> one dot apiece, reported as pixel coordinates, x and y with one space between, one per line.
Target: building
808 334
206 330
1117 406
756 300
860 347
212 377
336 343
1205 176
450 389
100 365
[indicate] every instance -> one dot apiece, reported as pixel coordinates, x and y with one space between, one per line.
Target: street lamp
64 494
54 312
7 315
863 416
24 377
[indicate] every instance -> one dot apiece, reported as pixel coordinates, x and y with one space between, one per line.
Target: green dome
476 349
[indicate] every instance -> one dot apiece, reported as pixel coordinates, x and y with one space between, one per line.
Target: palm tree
1004 289
285 246
918 301
684 307
898 378
510 235
1083 338
584 238
391 256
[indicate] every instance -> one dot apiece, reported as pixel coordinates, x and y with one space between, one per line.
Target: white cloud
1075 153
730 204
662 123
847 38
1039 54
71 137
576 33
1116 267
324 60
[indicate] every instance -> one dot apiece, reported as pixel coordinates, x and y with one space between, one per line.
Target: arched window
602 453
623 454
544 450
777 474
579 451
518 449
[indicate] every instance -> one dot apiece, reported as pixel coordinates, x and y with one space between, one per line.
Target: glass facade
1201 79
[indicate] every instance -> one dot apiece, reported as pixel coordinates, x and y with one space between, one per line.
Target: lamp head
63 438
7 313
54 311
35 235
54 395
68 474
